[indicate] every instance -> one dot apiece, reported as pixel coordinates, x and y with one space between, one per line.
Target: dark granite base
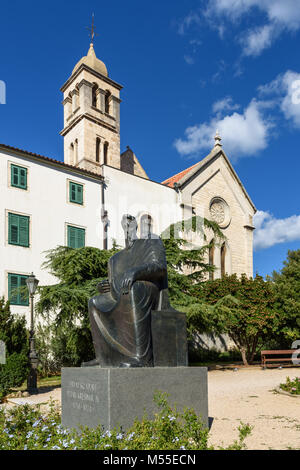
112 397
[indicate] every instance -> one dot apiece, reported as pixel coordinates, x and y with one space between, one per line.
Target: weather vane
92 32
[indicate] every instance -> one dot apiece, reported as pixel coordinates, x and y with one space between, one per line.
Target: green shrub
13 333
26 428
13 373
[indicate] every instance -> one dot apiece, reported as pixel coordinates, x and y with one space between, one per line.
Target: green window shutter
18 230
13 229
80 238
71 237
17 289
12 288
76 237
23 296
19 177
24 231
23 178
76 193
14 175
79 194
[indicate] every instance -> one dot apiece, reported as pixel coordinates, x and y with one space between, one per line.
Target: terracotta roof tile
174 179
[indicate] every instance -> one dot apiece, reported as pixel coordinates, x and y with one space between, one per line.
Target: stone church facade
86 195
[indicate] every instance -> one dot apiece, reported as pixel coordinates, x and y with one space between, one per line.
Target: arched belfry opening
107 101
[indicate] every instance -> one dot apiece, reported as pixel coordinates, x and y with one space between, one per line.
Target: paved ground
245 395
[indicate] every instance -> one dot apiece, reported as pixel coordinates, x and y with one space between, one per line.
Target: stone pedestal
116 396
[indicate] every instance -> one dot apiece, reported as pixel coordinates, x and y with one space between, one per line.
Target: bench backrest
283 351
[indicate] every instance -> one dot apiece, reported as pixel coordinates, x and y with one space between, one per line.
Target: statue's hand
104 286
129 278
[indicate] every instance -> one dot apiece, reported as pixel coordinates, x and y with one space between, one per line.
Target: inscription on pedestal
82 398
82 395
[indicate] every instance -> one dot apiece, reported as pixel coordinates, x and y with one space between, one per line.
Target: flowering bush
291 386
27 428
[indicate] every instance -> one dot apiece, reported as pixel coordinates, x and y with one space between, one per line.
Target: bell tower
91 102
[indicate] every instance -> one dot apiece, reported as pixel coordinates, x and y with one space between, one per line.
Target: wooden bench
265 360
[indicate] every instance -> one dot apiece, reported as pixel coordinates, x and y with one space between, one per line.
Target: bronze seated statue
132 322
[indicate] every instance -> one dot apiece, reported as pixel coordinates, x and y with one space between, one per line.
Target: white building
45 203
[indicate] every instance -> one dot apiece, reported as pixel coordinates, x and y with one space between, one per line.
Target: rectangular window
76 237
17 289
18 229
76 193
18 176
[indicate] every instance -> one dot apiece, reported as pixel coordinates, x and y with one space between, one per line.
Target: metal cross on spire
92 32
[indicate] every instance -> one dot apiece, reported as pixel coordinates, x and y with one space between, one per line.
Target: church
80 202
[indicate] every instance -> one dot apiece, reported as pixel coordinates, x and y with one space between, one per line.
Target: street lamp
32 283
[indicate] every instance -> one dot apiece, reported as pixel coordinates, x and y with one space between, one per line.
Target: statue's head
129 226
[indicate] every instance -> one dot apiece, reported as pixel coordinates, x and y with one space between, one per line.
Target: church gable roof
184 177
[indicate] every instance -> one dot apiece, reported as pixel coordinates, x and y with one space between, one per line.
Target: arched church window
98 149
223 259
145 226
211 260
107 101
105 153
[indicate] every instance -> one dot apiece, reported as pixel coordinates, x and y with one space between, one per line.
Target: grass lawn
52 381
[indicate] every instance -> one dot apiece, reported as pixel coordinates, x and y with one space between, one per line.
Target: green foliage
13 334
186 264
12 330
291 386
25 427
241 307
287 293
13 372
62 346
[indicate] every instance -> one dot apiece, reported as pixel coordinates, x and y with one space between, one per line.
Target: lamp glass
32 283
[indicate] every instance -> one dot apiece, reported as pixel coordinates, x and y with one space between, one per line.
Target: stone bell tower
91 116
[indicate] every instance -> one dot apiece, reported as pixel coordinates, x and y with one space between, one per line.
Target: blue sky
187 68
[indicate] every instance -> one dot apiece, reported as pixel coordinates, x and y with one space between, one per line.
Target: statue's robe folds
121 319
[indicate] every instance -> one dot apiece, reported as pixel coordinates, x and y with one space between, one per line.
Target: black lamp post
32 283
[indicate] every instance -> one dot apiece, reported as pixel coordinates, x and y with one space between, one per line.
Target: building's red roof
176 178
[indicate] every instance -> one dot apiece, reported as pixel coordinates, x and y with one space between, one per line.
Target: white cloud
258 39
281 15
286 90
242 134
283 12
271 231
225 104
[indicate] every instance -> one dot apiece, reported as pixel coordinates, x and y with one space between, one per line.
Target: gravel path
247 395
